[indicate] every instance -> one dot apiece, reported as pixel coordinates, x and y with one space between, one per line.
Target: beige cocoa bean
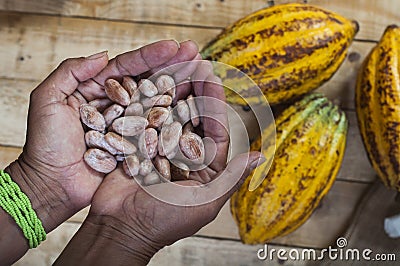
188 128
157 116
135 98
169 138
194 112
158 100
99 160
129 85
179 171
112 113
101 104
183 111
95 139
120 144
92 118
170 118
163 167
151 179
146 166
134 109
166 84
131 165
147 88
148 142
192 147
130 125
116 92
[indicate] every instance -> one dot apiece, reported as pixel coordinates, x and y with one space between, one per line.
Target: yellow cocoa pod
378 107
310 144
288 50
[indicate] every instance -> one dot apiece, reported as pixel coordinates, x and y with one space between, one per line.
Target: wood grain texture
372 15
32 45
8 155
194 251
210 252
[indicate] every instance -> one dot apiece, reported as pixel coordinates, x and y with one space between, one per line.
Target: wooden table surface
37 35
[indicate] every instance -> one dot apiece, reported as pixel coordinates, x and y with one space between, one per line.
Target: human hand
51 170
128 224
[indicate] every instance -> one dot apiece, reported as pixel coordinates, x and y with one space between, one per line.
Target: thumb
64 80
241 164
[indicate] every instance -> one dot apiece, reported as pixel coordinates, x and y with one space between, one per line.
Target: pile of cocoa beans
137 126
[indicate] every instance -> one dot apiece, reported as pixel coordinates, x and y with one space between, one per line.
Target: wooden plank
199 251
189 251
14 103
372 15
8 155
327 222
31 50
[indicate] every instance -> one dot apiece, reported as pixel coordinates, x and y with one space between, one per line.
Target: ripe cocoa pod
92 118
131 165
147 88
99 160
112 112
148 142
120 144
310 145
116 92
287 50
130 125
95 139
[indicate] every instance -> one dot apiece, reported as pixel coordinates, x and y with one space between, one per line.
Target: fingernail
177 43
97 55
257 162
197 45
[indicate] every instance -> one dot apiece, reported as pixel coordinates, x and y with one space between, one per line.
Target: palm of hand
57 146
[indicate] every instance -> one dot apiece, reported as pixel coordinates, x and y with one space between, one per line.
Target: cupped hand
141 223
52 163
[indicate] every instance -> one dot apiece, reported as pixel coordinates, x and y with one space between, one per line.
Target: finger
203 70
66 78
238 169
131 63
215 120
139 61
188 51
